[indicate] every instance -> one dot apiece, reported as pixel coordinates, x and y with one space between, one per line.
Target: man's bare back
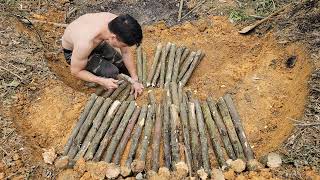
83 36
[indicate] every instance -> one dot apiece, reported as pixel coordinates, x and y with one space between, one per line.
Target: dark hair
127 29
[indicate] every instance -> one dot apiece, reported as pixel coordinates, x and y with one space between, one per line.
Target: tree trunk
166 130
124 94
174 94
139 63
154 64
184 67
173 134
184 56
176 65
116 93
193 65
170 64
144 68
163 64
156 139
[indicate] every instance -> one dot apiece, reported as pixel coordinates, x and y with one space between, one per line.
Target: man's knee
100 67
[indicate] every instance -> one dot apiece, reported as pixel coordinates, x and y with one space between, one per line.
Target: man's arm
79 60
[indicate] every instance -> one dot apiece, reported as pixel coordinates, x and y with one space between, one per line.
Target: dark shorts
103 61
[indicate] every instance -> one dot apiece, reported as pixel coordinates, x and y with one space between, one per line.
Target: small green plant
264 7
237 15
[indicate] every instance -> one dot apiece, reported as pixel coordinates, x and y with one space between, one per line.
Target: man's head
127 31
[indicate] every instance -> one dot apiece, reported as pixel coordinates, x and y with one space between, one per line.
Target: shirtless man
89 45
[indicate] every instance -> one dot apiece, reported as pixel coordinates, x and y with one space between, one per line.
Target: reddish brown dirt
266 93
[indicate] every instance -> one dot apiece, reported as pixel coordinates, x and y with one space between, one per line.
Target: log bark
154 64
99 91
124 94
195 146
214 135
239 128
94 128
130 98
180 93
107 137
85 128
82 118
186 135
166 130
184 67
119 132
174 94
184 56
163 64
144 69
170 64
139 63
193 65
116 93
155 79
102 129
156 138
126 78
152 98
222 129
147 133
176 65
173 135
136 135
203 137
108 93
126 136
230 128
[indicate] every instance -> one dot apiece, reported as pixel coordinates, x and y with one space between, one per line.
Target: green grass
238 15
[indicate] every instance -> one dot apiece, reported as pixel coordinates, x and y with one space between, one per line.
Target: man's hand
137 89
108 83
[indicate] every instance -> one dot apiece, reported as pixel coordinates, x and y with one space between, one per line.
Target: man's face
115 42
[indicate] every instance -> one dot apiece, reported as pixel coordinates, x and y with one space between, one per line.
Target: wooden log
82 118
173 135
136 135
139 63
107 137
186 135
184 67
130 98
156 138
174 94
101 131
119 132
222 128
144 69
94 128
170 64
184 56
193 65
115 94
230 128
214 135
85 128
157 73
152 98
147 133
154 64
124 94
163 64
166 130
180 93
176 65
126 136
239 128
100 90
195 146
108 93
203 137
126 78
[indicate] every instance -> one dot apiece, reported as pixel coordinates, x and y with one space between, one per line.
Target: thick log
139 63
239 128
130 98
176 65
186 135
147 133
119 132
230 128
85 128
170 64
184 56
124 94
154 64
108 93
144 68
116 93
156 78
222 128
152 98
156 138
107 137
94 128
163 64
174 94
214 135
126 136
100 90
184 67
195 146
166 130
173 135
126 78
203 137
82 118
193 65
102 129
136 135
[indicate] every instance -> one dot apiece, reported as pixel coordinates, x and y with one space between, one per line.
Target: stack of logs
186 126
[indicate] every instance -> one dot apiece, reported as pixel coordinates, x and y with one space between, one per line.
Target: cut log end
125 171
137 166
113 171
182 170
